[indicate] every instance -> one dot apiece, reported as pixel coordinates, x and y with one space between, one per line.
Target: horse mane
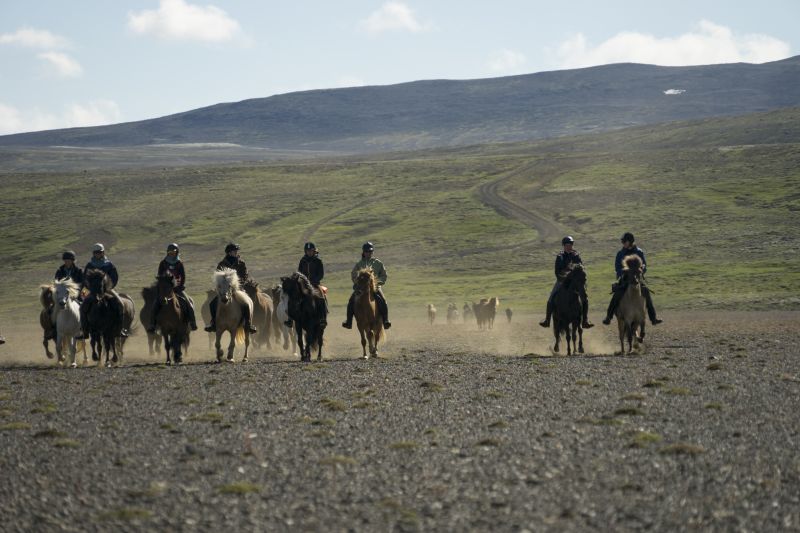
305 284
632 262
72 287
148 293
229 275
97 273
45 291
372 280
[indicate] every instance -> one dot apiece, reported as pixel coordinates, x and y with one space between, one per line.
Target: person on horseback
99 261
67 270
233 261
311 267
172 264
567 257
619 288
367 261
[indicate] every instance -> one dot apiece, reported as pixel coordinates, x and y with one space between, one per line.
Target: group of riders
311 266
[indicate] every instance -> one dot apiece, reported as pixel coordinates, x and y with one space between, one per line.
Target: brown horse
631 310
171 320
262 313
567 310
365 310
154 338
485 311
47 300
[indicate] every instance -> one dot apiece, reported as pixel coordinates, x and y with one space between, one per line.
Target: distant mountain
425 114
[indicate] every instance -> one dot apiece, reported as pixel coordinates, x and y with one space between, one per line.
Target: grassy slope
715 204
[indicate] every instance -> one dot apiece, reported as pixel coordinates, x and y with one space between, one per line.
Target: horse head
65 289
576 277
226 281
632 269
165 286
97 282
46 296
365 281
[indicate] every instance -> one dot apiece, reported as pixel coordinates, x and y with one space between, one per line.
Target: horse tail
240 335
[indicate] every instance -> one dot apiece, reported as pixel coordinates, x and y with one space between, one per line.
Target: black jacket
74 273
311 267
563 261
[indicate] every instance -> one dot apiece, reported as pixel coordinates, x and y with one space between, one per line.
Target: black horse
307 309
103 315
568 310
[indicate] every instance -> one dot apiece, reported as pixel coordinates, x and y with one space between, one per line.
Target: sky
91 62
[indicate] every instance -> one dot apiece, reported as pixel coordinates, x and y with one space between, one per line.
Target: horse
452 313
47 300
365 311
468 314
171 320
431 314
568 310
128 312
67 318
509 313
205 312
485 311
229 312
154 338
306 307
631 310
281 315
262 313
103 317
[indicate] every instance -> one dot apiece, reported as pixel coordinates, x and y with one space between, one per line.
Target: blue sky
90 62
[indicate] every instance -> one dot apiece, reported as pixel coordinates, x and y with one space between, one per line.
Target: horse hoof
580 350
74 365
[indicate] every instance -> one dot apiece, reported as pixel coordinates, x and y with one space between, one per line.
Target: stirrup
346 325
607 320
387 324
212 328
586 324
545 323
193 327
656 321
252 329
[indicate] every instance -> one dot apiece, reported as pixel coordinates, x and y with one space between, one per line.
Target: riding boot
546 322
2 340
188 308
585 324
248 325
212 307
383 309
350 303
151 327
612 305
651 310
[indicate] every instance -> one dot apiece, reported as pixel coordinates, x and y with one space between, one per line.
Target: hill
440 113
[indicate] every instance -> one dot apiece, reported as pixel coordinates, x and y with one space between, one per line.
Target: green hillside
715 203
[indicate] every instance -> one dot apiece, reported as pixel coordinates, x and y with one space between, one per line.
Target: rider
564 259
234 262
311 267
629 248
367 261
99 261
68 269
173 265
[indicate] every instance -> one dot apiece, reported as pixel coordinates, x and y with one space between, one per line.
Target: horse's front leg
641 330
557 335
232 346
364 343
301 347
319 344
59 349
373 346
167 348
218 345
247 344
73 348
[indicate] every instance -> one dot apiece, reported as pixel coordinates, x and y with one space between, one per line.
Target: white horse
67 318
282 313
230 299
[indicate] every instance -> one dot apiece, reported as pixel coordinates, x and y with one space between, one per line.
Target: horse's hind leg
641 331
557 335
364 344
247 345
580 339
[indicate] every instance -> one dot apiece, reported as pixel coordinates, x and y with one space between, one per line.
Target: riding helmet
309 246
627 237
567 240
231 246
69 254
172 246
368 247
98 247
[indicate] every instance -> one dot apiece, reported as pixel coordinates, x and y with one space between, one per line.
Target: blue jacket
106 266
622 254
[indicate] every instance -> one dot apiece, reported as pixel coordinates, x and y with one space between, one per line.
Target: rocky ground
452 430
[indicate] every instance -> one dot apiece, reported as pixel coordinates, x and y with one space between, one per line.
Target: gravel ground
453 430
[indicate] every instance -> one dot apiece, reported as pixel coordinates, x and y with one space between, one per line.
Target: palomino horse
262 314
67 318
47 300
431 314
154 338
281 316
365 310
568 310
229 312
485 311
104 317
631 311
306 307
171 319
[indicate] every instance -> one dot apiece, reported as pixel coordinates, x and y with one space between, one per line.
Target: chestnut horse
171 320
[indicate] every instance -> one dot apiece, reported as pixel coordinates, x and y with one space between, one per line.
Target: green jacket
375 265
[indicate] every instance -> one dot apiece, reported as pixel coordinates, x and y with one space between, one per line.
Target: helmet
567 240
172 246
368 247
69 254
627 237
309 246
231 246
98 248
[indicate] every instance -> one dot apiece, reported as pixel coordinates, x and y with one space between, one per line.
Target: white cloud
93 113
63 64
178 20
393 16
33 38
507 61
708 43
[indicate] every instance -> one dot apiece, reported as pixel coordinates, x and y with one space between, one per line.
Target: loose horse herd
294 311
